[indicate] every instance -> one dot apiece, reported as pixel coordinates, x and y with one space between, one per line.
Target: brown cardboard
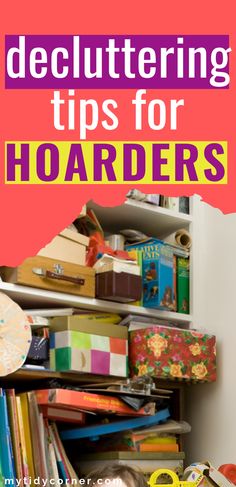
68 246
74 323
118 286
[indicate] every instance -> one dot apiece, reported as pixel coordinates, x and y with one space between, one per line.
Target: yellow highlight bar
86 162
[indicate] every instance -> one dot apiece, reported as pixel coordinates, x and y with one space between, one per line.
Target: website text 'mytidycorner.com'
44 482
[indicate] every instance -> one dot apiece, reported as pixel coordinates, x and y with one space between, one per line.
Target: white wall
211 408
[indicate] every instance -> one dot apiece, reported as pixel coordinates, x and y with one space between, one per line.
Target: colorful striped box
85 352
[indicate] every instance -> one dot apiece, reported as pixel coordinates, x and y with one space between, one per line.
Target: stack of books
39 429
30 444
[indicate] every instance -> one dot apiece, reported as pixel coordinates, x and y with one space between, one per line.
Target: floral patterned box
172 353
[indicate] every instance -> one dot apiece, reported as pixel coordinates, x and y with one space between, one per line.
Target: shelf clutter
129 267
103 378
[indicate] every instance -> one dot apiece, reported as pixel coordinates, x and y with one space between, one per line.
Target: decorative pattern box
171 353
86 352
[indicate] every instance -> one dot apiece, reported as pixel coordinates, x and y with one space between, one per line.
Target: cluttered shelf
137 214
34 297
33 374
115 354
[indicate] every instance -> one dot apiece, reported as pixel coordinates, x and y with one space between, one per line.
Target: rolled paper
181 237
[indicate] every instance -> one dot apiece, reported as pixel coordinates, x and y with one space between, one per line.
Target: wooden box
53 275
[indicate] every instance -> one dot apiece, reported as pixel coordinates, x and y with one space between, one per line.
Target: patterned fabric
83 352
15 336
169 353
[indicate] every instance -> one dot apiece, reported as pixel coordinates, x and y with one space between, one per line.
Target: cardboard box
118 286
75 323
92 353
68 246
172 353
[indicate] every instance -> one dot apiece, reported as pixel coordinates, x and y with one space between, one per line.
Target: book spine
63 473
87 401
6 451
174 283
22 439
158 448
166 278
37 437
182 285
28 440
15 434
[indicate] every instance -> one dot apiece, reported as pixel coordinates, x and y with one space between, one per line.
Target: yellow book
22 438
160 440
158 448
15 433
26 425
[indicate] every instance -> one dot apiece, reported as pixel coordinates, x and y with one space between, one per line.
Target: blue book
94 432
157 273
6 451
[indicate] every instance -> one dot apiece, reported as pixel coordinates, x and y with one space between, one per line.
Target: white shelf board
150 219
33 297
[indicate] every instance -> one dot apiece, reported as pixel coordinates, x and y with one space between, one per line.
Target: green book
182 285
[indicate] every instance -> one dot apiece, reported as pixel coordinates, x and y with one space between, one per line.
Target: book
158 447
84 400
62 471
27 433
24 458
184 204
68 466
80 321
6 451
15 432
49 312
37 437
182 285
169 202
157 273
50 454
136 194
159 440
36 321
147 462
170 426
63 415
131 319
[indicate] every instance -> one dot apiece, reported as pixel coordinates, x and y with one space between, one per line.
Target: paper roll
181 237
